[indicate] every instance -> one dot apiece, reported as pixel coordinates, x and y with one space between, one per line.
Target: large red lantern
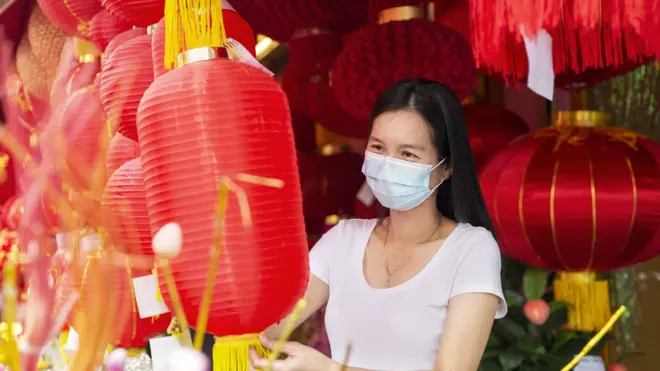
491 128
140 13
126 74
245 123
105 27
72 16
158 49
125 210
402 45
120 151
577 197
122 38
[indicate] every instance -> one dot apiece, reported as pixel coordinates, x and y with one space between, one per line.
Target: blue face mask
398 184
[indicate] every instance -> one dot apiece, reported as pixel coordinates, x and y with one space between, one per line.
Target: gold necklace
389 273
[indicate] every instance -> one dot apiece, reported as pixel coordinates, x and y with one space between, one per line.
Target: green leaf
559 305
490 365
510 329
534 283
511 359
493 341
488 354
513 299
564 336
556 320
555 362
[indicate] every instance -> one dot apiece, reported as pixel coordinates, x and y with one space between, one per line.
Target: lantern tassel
191 24
589 297
231 353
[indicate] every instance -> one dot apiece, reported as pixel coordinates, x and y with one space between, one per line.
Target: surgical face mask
398 184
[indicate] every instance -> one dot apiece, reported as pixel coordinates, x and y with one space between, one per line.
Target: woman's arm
467 327
316 296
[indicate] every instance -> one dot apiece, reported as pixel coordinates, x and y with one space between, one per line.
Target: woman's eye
376 147
409 155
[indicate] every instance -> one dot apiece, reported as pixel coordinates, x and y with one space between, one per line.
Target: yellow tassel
64 337
230 353
159 295
589 299
173 329
85 51
191 24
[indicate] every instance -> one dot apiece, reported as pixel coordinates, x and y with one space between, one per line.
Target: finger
288 347
258 363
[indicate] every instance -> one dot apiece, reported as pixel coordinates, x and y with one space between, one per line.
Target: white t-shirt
399 328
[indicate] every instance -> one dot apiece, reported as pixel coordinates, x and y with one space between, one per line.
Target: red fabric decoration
279 20
72 16
120 151
125 210
140 13
491 129
158 49
122 38
245 121
30 109
72 75
576 198
105 27
387 53
74 136
126 74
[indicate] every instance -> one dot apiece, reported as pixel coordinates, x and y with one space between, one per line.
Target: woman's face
405 135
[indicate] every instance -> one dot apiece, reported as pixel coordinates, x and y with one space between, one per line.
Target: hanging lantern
304 132
120 39
402 45
37 79
141 13
104 27
120 151
126 74
75 140
71 16
576 198
78 68
125 210
491 128
158 49
185 178
45 38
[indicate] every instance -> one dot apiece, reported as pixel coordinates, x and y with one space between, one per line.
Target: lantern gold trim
85 51
581 119
197 55
400 13
152 28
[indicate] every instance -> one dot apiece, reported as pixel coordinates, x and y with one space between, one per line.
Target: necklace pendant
388 281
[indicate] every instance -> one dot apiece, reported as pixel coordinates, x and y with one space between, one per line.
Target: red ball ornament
245 121
140 13
124 208
537 311
125 76
491 129
120 151
120 39
75 136
576 198
384 54
72 16
105 27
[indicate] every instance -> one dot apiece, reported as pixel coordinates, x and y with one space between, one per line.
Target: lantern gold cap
400 13
581 119
197 55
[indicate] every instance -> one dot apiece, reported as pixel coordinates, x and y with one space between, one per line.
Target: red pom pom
385 54
106 27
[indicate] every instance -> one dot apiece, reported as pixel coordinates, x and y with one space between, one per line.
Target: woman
419 289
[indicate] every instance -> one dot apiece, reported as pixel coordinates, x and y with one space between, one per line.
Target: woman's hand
300 358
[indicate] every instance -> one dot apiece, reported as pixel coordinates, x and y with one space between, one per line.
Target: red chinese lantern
158 49
71 16
408 43
126 74
105 27
578 197
125 210
120 39
256 285
140 13
78 68
491 128
120 151
76 131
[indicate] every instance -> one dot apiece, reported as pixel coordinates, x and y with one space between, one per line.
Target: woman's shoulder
475 238
348 231
356 225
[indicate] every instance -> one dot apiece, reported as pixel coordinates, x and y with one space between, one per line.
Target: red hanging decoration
120 39
79 66
120 151
126 74
245 122
158 49
491 129
140 13
105 27
12 212
71 16
576 198
124 209
403 45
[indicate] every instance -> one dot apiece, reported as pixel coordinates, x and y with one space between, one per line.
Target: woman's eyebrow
412 146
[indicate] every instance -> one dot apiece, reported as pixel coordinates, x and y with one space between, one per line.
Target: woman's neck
414 225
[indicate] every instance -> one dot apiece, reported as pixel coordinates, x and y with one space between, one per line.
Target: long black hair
459 197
